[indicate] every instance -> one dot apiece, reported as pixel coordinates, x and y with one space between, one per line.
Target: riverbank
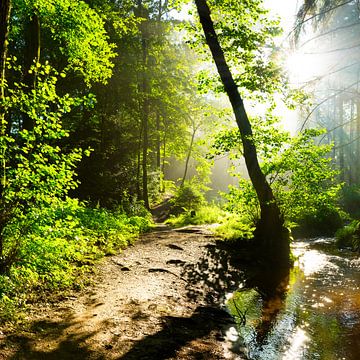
157 300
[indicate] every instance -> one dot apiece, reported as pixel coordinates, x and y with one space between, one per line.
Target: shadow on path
178 332
69 346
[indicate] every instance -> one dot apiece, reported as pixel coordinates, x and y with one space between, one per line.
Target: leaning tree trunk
270 228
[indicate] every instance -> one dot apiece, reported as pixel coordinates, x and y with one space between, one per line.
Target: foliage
75 33
350 200
235 227
349 236
205 214
227 225
324 220
187 197
62 241
246 33
299 171
35 170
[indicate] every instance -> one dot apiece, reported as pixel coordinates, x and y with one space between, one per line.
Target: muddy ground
159 299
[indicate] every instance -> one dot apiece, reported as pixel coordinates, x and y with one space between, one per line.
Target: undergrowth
234 227
56 250
205 214
349 236
230 226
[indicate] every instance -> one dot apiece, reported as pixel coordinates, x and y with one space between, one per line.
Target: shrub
322 221
350 200
206 214
235 227
349 236
187 197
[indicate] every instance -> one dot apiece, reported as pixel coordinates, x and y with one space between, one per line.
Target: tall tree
270 228
31 57
5 9
5 6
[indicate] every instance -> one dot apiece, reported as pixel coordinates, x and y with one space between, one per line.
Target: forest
214 144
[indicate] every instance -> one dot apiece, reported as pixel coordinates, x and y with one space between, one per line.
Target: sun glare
305 67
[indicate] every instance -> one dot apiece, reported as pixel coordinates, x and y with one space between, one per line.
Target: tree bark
357 150
163 186
158 142
145 103
270 228
189 154
31 57
5 9
340 131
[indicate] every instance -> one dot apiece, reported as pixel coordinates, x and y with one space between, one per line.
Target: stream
313 314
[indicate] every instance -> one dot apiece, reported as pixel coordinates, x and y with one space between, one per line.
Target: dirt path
153 301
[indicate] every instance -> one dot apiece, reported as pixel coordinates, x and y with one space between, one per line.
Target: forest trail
149 302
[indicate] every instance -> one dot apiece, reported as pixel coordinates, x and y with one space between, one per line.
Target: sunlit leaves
78 32
245 32
300 172
35 171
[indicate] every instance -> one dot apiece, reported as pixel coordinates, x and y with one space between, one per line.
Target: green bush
349 236
206 214
322 221
350 200
187 197
235 227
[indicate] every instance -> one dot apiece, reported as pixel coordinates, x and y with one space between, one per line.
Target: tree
5 7
270 228
69 35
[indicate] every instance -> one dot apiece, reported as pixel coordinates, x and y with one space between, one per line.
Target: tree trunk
158 151
138 165
357 150
5 8
31 57
341 131
163 186
188 155
145 102
270 228
158 142
145 125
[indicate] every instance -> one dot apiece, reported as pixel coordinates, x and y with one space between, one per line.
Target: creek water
314 312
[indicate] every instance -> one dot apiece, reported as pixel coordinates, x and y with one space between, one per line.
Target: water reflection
310 313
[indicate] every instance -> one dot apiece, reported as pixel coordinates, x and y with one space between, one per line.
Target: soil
159 299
